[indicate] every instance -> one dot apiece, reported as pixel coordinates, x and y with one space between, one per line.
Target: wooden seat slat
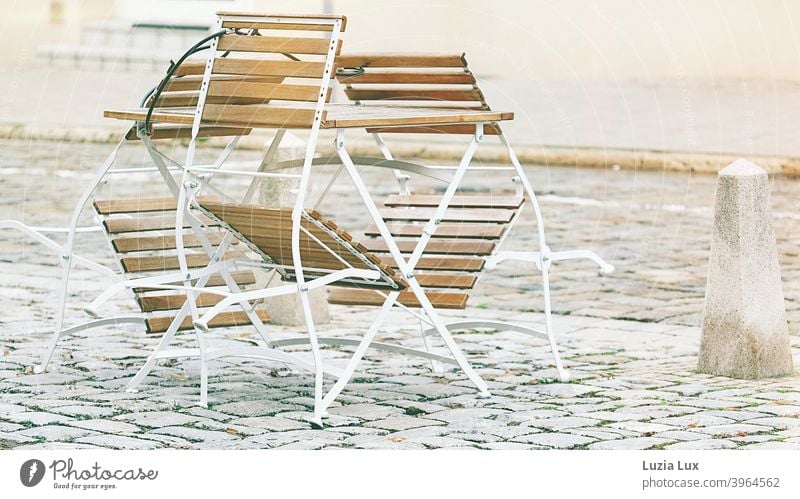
225 319
136 264
240 277
143 224
175 301
349 296
458 201
155 243
193 82
465 230
184 132
440 246
451 215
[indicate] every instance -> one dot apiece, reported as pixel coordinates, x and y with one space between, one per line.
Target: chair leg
319 409
66 266
455 351
165 341
360 350
563 374
436 367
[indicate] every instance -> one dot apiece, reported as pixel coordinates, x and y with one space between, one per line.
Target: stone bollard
745 334
286 310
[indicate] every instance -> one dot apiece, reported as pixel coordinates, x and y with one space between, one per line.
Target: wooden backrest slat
193 82
414 94
418 77
265 91
278 26
256 67
395 60
274 44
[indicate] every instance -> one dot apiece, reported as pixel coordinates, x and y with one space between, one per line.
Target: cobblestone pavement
629 338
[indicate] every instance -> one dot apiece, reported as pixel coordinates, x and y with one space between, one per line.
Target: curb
585 157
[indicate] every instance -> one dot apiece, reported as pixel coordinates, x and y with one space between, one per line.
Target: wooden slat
175 301
254 67
225 319
193 82
255 116
176 117
470 231
488 129
343 296
179 132
442 246
265 91
274 25
408 77
445 263
442 280
451 215
155 243
190 99
136 264
463 201
241 277
274 44
142 224
372 116
141 205
414 94
390 60
270 230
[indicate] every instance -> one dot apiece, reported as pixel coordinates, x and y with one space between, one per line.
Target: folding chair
452 238
431 274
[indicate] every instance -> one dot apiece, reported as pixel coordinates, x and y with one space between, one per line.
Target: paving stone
395 423
639 443
37 418
158 419
119 442
194 434
254 408
703 445
92 411
696 420
56 433
271 423
554 440
774 445
369 412
105 426
555 424
729 430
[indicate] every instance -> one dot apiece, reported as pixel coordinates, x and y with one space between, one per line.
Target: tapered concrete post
745 334
286 310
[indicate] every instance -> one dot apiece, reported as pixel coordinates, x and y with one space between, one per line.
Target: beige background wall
564 39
